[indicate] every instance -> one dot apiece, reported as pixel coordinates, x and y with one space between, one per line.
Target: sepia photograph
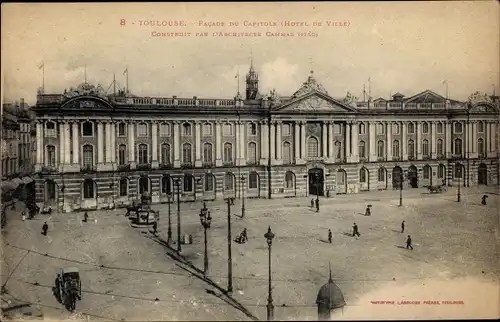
250 161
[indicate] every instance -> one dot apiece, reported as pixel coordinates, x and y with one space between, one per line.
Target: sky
404 47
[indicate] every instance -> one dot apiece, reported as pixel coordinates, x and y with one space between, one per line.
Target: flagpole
127 79
43 78
85 73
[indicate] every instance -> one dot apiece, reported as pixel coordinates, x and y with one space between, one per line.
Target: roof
331 294
70 270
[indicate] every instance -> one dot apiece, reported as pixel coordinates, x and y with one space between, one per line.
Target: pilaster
218 144
404 141
264 141
372 142
433 141
349 143
131 146
177 143
197 144
355 142
279 144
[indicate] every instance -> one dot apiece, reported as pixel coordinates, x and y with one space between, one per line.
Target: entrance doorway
50 192
316 182
396 177
413 176
482 174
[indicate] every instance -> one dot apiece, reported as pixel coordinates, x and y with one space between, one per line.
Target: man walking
85 217
317 205
45 228
403 227
408 243
330 236
355 231
312 203
155 227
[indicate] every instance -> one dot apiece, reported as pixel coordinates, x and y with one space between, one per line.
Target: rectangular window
122 129
380 128
227 129
164 129
207 129
142 130
285 130
336 128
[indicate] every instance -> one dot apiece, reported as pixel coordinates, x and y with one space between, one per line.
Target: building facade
99 151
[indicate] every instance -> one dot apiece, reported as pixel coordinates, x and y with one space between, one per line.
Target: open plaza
128 273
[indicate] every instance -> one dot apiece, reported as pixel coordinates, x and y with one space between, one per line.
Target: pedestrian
23 216
190 238
312 203
330 236
85 217
317 205
408 243
368 211
155 227
483 200
45 228
403 227
355 231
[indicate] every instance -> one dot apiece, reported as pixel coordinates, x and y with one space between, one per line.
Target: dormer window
87 129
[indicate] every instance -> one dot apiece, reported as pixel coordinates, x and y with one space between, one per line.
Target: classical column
236 145
418 141
39 146
218 143
354 142
404 141
100 144
372 142
296 137
473 143
273 143
279 143
303 146
331 145
113 142
491 143
131 145
448 139
433 140
197 144
107 127
177 144
76 144
324 139
388 143
243 147
264 141
348 142
154 145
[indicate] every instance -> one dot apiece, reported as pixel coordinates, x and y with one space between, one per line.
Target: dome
330 294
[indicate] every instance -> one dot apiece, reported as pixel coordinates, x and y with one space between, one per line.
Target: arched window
439 128
165 154
362 175
166 184
458 170
439 147
411 149
88 155
458 127
287 153
441 171
312 147
338 150
252 128
411 128
209 182
480 146
123 187
427 171
186 153
395 128
458 146
425 148
289 180
425 127
253 180
395 148
480 127
51 156
143 185
50 190
88 189
188 183
361 128
229 181
122 154
228 152
207 153
380 149
380 128
381 174
252 152
143 153
186 129
361 149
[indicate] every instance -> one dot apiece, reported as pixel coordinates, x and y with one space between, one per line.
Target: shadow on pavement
347 234
324 241
396 231
399 246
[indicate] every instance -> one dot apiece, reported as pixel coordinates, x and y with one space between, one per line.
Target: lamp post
177 182
468 143
458 190
169 233
205 220
270 307
243 196
229 253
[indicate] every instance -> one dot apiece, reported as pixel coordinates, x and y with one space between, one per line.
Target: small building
329 298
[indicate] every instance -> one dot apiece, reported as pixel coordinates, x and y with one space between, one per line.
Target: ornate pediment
85 89
310 86
426 97
315 103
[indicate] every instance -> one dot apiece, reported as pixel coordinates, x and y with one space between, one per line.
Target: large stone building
96 151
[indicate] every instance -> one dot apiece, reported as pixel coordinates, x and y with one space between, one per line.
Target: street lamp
243 196
205 220
177 182
459 175
229 253
270 307
169 239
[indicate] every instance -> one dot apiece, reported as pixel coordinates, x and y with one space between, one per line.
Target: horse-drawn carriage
437 189
68 287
